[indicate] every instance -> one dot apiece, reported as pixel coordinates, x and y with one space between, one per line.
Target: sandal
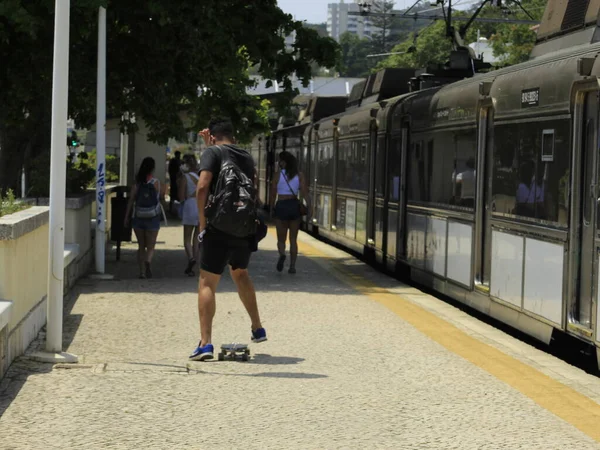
188 271
280 263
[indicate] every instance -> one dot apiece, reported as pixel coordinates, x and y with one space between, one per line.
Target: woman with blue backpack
144 200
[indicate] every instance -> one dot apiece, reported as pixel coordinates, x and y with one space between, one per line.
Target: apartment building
340 22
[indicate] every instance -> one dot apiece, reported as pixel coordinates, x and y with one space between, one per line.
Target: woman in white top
186 187
287 187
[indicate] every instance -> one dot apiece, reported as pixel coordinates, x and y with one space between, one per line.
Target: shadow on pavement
16 377
291 375
169 264
262 358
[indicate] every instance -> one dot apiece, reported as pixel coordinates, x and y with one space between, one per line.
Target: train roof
542 86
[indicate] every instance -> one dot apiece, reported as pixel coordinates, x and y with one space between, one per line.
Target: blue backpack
147 204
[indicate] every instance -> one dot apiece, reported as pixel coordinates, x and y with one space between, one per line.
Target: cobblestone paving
338 371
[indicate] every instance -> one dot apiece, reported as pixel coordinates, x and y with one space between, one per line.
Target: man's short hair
221 128
177 154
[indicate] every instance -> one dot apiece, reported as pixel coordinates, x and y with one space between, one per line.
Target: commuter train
485 189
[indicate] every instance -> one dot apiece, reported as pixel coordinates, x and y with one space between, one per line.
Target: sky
315 11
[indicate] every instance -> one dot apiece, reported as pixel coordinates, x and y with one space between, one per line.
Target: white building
340 22
483 48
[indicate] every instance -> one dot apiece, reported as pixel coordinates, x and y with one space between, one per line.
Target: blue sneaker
259 335
203 353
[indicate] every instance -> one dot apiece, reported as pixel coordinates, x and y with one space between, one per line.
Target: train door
587 244
484 207
395 199
380 203
371 208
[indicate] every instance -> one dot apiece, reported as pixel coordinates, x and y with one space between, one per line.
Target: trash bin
118 232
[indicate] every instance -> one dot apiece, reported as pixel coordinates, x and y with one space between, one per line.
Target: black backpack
232 205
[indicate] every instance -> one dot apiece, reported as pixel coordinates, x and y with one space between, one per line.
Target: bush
113 167
81 175
9 205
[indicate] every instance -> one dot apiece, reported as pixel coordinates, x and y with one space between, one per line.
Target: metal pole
101 144
23 183
124 156
58 176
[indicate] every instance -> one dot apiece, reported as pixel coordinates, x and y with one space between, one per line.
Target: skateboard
232 350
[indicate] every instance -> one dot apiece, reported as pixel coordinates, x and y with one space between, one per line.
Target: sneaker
292 270
203 353
259 335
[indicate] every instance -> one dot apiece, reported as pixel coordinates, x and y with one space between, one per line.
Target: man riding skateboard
228 233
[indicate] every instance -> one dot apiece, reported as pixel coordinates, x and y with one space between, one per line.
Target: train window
548 145
380 167
325 164
394 162
531 171
352 166
442 172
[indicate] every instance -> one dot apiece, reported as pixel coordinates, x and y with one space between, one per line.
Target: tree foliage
164 58
514 42
354 55
430 45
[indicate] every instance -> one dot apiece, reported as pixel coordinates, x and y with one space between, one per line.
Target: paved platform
354 360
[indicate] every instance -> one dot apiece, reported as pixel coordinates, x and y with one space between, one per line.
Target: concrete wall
24 266
23 278
24 261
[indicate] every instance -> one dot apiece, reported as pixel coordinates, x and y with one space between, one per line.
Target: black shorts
288 209
218 249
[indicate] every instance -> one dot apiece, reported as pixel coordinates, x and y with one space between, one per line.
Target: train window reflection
548 145
380 167
353 168
394 167
325 164
441 172
526 181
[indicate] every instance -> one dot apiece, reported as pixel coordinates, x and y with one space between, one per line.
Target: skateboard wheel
221 357
245 357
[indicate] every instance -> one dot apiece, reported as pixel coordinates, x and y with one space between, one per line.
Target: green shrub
81 175
9 205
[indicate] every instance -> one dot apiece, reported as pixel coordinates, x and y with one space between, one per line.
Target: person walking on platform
174 166
187 181
288 210
146 194
227 200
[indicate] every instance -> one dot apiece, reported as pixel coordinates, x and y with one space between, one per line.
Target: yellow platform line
561 400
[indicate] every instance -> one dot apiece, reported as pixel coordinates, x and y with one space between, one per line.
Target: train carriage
484 189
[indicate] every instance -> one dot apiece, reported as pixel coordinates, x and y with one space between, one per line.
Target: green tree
428 46
383 25
163 58
320 28
514 42
354 55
